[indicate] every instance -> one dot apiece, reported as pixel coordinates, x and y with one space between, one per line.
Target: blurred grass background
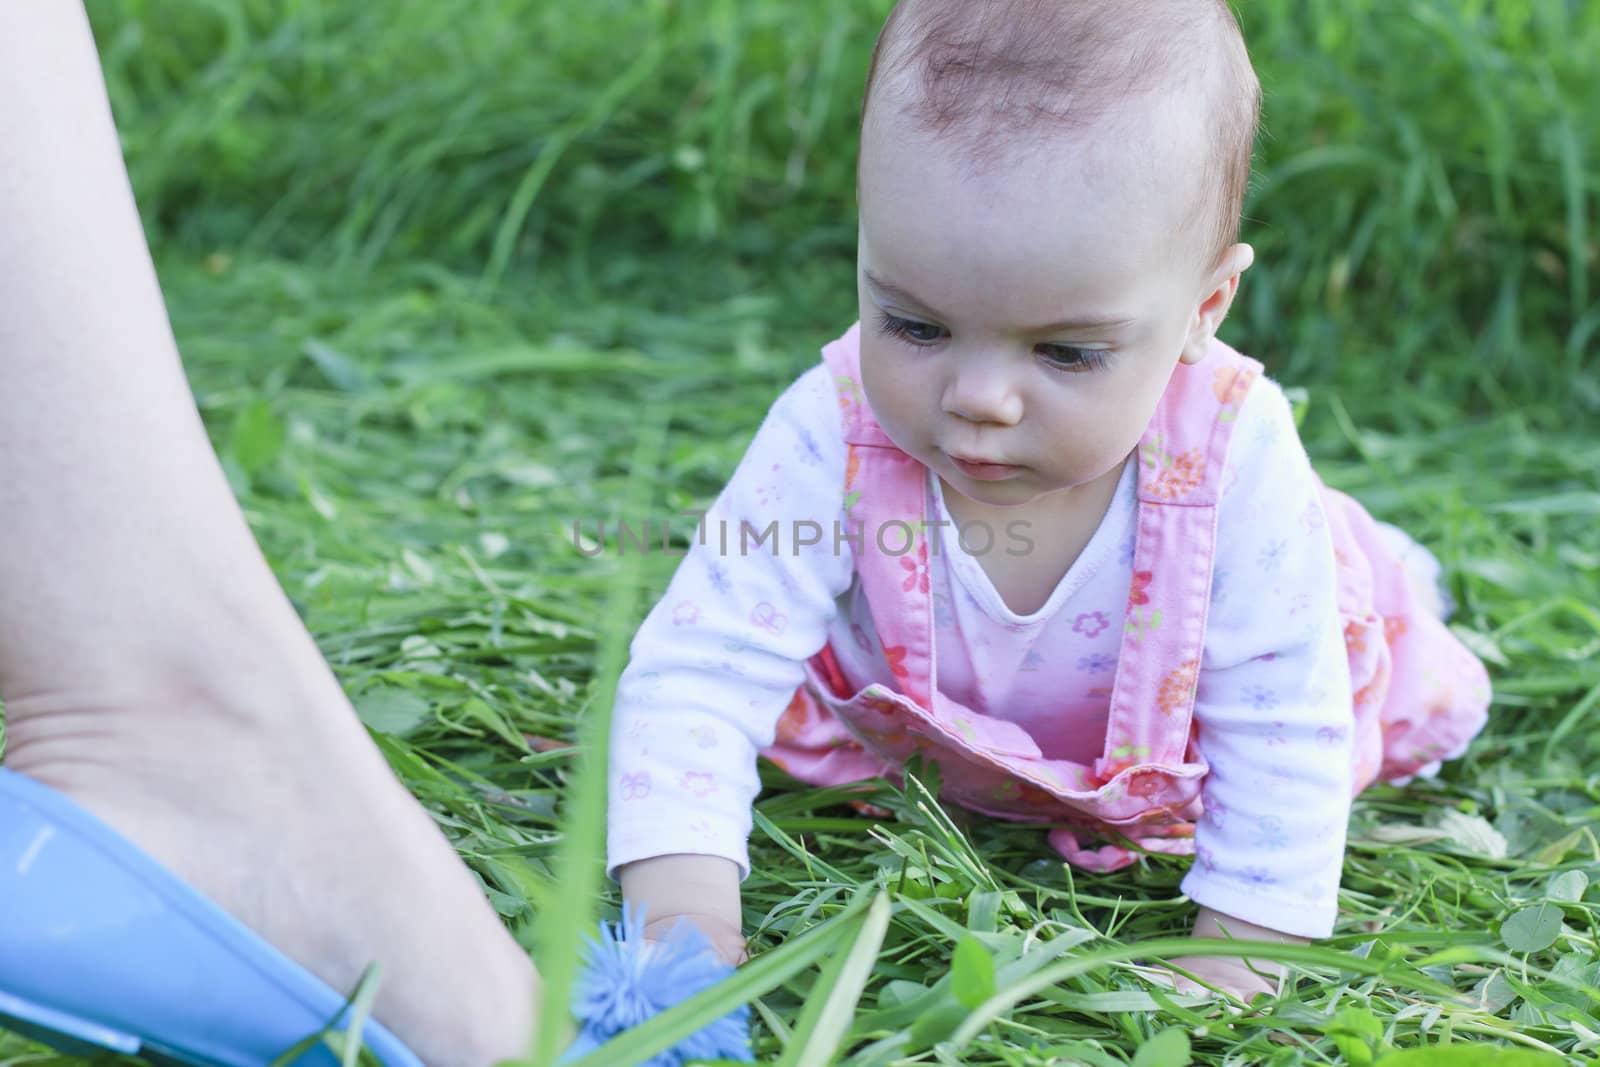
1421 204
429 263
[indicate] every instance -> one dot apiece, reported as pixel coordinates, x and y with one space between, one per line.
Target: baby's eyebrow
1081 322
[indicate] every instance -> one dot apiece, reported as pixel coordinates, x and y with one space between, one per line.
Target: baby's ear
1220 289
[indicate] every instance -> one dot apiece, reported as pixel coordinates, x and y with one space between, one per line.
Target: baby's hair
985 74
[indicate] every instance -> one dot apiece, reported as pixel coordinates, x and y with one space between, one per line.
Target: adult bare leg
151 667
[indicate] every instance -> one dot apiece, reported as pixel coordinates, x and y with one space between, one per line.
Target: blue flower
1272 555
627 982
1270 832
1258 877
1261 698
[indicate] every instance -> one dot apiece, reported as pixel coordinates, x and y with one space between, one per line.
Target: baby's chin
1013 492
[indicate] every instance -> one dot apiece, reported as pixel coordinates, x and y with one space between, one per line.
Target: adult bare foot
270 799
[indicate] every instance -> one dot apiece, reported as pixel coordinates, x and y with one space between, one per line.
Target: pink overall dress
1420 695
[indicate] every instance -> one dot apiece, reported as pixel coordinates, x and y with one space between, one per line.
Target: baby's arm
716 662
703 890
1273 707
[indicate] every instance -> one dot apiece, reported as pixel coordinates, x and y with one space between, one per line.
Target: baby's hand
1243 978
703 890
1228 973
723 934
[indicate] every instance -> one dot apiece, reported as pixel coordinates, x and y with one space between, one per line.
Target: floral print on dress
1230 385
1258 878
1176 475
1272 555
1177 688
1139 623
1355 637
768 618
1096 662
1260 697
1090 624
1139 592
916 580
687 613
698 783
636 786
1123 755
896 658
1270 832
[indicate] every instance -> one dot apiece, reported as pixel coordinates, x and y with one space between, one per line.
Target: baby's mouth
984 470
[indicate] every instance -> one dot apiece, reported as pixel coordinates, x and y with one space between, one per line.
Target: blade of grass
580 860
826 1019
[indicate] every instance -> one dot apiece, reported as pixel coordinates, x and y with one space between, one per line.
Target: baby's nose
984 396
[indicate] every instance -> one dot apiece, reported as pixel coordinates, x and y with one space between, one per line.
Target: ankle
169 718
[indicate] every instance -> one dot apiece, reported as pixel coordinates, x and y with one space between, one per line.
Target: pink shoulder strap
886 501
1182 458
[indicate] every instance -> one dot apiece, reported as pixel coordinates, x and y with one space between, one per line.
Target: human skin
151 667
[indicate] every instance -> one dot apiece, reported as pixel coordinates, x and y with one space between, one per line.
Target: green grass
1422 203
427 265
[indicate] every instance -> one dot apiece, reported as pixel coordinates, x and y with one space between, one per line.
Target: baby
1030 520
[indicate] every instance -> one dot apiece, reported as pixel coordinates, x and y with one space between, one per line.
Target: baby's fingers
724 937
1231 976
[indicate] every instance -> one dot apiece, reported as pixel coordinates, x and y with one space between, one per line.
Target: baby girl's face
1018 323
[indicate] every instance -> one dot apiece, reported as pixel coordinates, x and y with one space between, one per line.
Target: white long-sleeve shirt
717 660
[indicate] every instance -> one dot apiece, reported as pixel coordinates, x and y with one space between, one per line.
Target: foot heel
74 1036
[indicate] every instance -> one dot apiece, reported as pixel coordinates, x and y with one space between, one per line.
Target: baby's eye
1067 357
910 330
